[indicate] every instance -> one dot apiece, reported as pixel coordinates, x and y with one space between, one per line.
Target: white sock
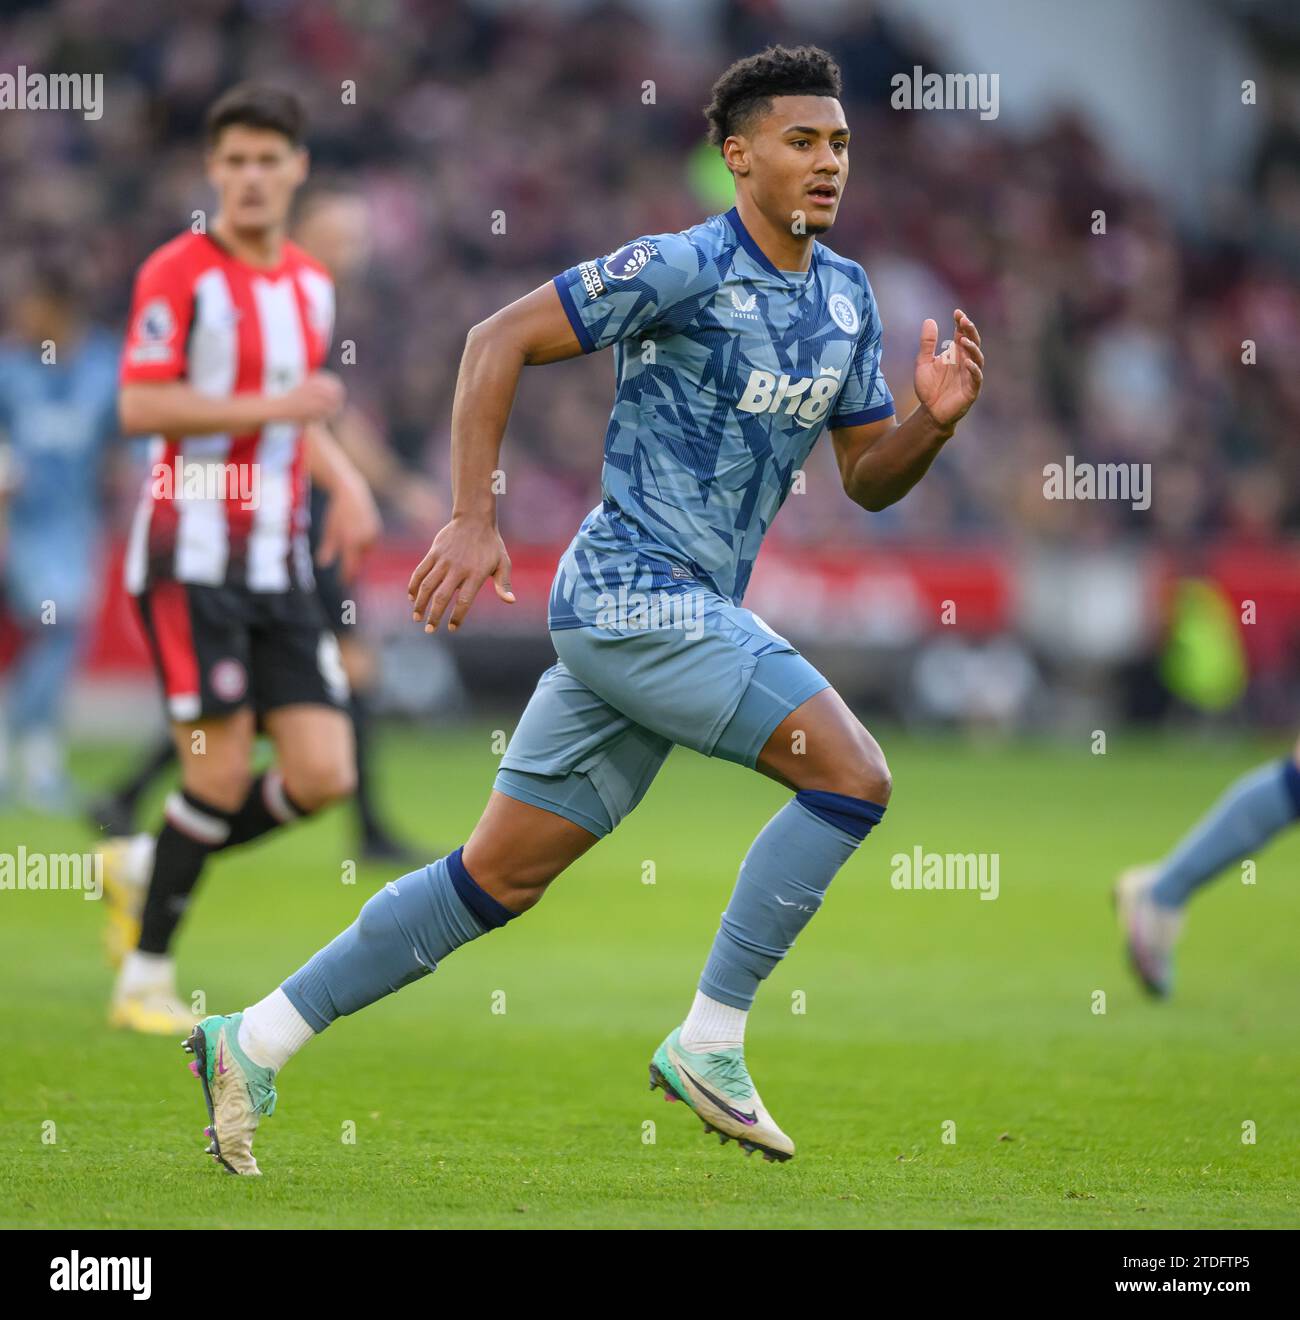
139 860
713 1026
146 971
273 1031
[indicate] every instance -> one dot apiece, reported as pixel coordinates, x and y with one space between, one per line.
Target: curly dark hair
747 87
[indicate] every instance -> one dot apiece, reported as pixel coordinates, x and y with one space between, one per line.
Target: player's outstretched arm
174 408
469 549
881 461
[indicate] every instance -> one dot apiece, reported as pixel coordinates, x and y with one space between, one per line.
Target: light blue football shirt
58 419
727 371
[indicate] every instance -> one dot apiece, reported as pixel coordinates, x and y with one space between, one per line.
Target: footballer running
761 337
222 363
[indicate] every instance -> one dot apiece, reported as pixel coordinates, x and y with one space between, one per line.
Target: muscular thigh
821 745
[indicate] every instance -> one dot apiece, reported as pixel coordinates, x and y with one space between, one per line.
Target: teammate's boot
152 1010
145 999
128 864
236 1091
718 1088
1150 930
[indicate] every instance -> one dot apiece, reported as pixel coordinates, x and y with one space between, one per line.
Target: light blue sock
782 882
400 935
1254 809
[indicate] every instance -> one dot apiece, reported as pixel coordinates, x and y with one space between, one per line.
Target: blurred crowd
489 147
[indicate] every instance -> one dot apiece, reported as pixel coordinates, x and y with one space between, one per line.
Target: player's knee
865 774
518 886
224 785
320 785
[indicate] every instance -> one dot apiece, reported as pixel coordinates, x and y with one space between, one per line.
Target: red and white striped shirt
226 510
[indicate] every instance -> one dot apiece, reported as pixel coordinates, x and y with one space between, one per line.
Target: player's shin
1251 812
782 882
400 935
192 828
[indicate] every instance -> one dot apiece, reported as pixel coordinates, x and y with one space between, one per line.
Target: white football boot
1150 930
717 1086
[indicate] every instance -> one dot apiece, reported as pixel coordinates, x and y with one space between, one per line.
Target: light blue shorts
601 722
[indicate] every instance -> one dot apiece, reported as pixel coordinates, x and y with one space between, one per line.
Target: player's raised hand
315 399
462 557
946 385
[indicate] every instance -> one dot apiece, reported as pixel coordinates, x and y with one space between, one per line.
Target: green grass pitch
920 1010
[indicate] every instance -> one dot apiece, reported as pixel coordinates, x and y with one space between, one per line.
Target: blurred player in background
58 396
229 329
333 226
761 338
1151 899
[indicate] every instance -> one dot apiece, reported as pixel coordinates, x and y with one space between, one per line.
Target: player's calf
400 936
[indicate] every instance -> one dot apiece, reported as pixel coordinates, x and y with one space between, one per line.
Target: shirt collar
747 242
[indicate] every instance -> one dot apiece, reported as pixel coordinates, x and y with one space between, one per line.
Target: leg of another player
114 812
842 787
1254 809
1151 899
219 806
215 757
315 759
315 766
377 842
39 683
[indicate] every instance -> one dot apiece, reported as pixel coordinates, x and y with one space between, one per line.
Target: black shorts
219 649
